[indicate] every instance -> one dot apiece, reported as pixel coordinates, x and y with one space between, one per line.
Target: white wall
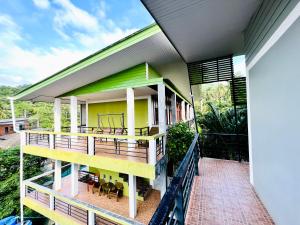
274 84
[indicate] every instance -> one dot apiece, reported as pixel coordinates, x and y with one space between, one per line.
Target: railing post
152 152
91 145
51 141
196 158
91 218
179 212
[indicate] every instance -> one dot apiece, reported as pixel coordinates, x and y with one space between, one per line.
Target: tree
9 179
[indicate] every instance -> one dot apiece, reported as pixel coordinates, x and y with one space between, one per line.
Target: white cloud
43 4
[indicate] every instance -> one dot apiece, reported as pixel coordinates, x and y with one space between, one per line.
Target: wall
275 126
264 22
2 129
140 109
114 176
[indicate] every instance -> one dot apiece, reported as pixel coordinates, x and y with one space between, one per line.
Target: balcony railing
174 204
148 149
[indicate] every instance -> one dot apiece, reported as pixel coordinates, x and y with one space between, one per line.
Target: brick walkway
223 195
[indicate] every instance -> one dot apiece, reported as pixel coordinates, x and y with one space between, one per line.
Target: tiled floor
223 195
145 209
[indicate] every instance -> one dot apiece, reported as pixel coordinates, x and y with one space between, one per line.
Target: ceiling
203 29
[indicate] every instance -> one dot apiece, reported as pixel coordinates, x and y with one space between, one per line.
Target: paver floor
223 195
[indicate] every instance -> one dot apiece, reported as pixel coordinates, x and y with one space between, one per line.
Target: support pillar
91 218
150 112
161 89
57 128
74 179
173 108
132 196
22 187
130 117
183 110
73 113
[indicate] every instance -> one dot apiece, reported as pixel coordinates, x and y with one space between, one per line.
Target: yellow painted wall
114 177
140 109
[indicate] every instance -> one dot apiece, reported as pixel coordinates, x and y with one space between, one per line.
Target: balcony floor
145 209
222 194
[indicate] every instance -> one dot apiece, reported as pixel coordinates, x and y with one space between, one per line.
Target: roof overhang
201 29
147 45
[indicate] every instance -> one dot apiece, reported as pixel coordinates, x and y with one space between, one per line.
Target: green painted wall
114 176
140 109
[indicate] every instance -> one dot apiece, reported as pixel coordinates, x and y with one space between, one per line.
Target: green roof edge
101 54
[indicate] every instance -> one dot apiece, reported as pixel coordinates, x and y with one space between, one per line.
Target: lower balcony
63 208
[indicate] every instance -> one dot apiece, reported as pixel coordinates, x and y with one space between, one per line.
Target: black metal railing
99 220
174 204
73 211
77 143
159 147
39 196
86 176
225 146
122 147
37 139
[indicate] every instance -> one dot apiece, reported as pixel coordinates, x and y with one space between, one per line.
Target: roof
9 121
146 45
202 30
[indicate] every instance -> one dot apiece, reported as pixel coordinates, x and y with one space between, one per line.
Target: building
156 61
126 101
6 125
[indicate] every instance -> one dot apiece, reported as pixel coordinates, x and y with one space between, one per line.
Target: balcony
63 208
136 155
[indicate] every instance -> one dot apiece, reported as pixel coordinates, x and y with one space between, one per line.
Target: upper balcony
137 155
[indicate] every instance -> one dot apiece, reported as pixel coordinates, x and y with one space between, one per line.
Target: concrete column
150 112
130 111
91 218
57 175
57 114
132 196
74 179
152 152
162 108
87 114
187 111
73 113
91 145
173 108
22 187
183 110
51 202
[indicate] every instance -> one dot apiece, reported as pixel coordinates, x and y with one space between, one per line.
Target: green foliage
40 114
223 121
9 179
179 139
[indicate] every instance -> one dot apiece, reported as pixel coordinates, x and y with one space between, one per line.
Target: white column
57 115
74 179
150 112
87 114
57 175
152 152
91 145
91 216
22 187
132 196
183 110
130 111
173 107
73 113
51 202
57 128
187 111
162 108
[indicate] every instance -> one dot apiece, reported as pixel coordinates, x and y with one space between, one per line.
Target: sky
41 37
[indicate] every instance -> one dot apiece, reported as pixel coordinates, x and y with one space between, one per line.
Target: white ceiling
203 29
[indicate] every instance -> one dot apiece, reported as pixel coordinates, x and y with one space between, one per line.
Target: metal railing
99 220
130 147
73 211
173 206
39 196
225 146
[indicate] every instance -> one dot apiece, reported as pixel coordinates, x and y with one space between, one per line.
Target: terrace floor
145 209
223 195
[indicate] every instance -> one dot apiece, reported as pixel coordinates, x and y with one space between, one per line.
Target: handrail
146 138
172 208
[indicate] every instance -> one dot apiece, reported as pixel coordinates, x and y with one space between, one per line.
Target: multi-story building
121 103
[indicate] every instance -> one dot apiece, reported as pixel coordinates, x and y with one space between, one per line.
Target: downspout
12 108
